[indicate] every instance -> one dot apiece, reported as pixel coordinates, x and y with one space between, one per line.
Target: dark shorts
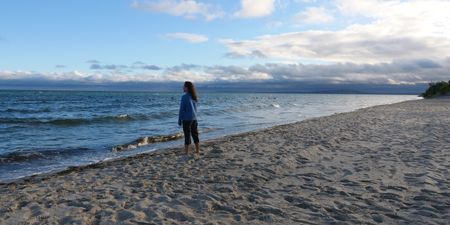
190 129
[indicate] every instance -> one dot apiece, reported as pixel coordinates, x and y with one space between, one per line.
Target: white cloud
255 8
274 24
193 38
304 1
314 15
30 75
397 30
397 72
193 75
190 9
415 17
236 73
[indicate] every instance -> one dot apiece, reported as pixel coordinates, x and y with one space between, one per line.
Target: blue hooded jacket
188 109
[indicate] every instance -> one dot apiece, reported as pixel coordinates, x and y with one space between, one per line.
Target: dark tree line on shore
437 89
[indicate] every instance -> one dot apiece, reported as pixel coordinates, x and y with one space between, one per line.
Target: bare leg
186 149
197 148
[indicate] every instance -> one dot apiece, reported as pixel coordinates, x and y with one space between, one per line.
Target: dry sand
385 164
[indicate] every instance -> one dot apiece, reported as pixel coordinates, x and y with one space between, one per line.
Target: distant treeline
437 89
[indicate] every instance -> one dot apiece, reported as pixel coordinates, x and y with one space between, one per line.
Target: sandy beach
385 164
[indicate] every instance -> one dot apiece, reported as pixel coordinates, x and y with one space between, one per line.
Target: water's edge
166 150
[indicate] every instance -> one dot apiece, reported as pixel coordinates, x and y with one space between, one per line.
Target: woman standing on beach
188 117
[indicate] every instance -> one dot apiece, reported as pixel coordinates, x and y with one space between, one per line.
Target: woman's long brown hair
191 90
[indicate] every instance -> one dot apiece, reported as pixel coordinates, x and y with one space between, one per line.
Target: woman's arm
180 114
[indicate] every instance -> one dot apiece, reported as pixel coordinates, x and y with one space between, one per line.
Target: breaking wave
84 121
31 155
146 140
142 141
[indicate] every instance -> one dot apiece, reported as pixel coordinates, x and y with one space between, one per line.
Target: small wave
208 129
31 155
275 105
123 116
79 121
67 122
119 118
142 141
145 141
14 110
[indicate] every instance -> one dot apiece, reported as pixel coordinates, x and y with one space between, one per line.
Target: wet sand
385 164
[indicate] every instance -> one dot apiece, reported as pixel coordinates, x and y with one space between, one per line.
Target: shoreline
96 134
161 151
380 164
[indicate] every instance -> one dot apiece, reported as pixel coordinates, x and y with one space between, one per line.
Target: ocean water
44 131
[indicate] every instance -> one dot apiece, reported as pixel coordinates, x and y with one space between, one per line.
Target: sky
111 42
